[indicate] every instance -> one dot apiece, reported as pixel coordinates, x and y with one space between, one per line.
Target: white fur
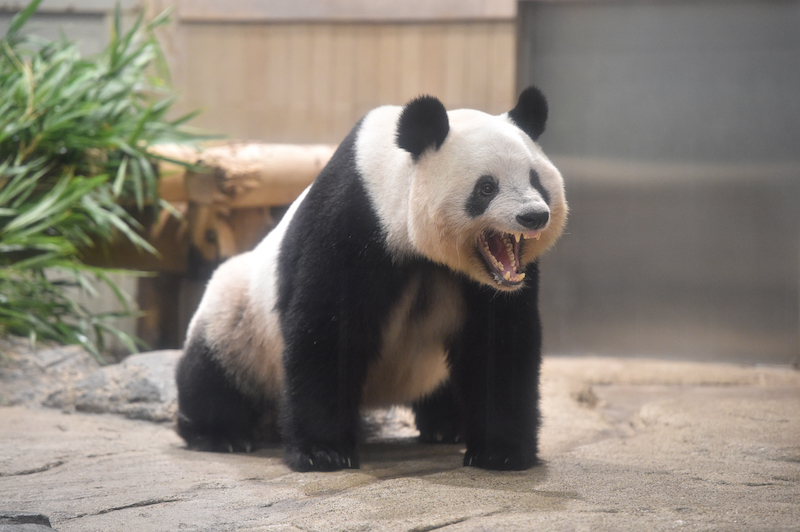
238 318
387 171
422 206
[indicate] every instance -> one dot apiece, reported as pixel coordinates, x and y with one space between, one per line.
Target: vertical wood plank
309 82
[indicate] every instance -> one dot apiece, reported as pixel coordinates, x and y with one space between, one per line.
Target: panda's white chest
413 358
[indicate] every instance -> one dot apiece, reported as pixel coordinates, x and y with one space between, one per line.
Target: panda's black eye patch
486 188
537 185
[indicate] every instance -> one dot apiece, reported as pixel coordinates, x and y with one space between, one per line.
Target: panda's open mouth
501 252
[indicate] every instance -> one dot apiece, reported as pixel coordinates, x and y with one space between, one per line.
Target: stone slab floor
626 444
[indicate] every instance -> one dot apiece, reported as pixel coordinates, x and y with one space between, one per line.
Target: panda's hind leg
213 414
438 416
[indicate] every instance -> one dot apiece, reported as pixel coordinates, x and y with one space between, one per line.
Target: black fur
537 185
439 417
485 190
495 369
530 113
423 124
336 287
214 415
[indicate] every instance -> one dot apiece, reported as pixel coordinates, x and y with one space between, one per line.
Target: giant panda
405 274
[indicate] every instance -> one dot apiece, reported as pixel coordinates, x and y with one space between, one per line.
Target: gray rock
69 378
28 375
140 387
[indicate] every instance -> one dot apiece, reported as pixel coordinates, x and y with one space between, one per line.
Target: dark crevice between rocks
138 504
23 522
40 469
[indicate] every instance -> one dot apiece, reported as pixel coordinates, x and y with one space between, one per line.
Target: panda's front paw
500 458
319 458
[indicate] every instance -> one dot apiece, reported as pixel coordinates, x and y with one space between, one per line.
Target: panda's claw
320 459
501 458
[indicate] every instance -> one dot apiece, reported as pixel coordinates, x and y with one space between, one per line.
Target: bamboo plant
74 167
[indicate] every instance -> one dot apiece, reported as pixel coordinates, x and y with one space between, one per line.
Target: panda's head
484 198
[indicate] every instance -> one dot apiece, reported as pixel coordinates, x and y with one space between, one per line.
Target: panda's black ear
423 124
530 113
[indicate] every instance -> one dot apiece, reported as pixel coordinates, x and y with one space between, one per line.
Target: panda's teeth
507 273
532 234
510 251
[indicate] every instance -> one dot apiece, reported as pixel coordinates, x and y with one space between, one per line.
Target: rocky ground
626 444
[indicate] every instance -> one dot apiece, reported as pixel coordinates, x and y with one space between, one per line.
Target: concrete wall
86 22
677 127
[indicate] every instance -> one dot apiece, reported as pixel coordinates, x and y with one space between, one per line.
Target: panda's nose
533 219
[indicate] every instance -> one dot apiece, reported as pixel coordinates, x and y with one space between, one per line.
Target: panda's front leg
331 333
320 408
496 365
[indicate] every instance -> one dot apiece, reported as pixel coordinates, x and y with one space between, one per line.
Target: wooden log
242 175
172 177
230 181
256 175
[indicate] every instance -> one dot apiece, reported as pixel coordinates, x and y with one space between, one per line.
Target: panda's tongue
501 253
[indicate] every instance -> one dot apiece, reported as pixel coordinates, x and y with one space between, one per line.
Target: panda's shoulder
375 146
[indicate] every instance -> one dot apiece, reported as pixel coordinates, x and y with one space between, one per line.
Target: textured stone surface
23 522
626 445
29 376
67 377
140 387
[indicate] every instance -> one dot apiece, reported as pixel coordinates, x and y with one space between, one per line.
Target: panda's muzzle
501 252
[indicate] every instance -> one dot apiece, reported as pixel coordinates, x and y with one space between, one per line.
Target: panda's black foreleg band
496 369
328 348
320 418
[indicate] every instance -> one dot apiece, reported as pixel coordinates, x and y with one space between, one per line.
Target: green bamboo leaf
74 137
21 18
58 198
184 118
121 175
138 185
43 209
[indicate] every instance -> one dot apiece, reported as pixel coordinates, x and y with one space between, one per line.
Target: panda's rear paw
221 445
319 458
500 458
215 441
449 435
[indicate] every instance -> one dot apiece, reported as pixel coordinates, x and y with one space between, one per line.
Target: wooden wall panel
343 10
310 82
